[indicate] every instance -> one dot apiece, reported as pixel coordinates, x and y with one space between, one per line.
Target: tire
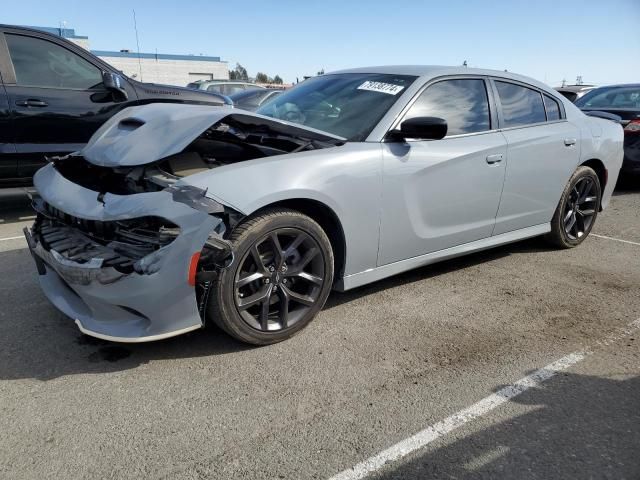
281 283
578 208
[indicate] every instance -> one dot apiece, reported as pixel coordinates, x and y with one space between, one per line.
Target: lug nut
272 268
266 280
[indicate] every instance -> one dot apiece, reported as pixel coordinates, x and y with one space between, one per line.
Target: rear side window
462 103
214 88
552 107
230 89
520 105
40 63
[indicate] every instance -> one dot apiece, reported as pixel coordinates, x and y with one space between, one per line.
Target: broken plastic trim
195 198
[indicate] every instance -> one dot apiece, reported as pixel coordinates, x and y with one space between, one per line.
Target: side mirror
421 128
115 84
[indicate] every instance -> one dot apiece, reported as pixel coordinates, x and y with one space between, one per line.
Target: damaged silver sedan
174 216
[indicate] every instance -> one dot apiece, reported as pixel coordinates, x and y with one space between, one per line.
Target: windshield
348 105
611 97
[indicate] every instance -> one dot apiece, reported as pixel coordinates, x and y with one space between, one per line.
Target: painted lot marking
615 239
484 406
6 239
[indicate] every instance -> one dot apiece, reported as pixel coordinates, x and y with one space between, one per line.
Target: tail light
632 127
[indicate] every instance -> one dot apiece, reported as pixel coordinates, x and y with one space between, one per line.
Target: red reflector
193 265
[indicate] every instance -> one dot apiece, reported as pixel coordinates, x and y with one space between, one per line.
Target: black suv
55 94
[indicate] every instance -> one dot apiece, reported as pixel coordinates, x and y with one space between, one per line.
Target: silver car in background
224 87
175 215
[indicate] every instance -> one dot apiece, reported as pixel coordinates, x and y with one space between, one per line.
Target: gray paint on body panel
400 205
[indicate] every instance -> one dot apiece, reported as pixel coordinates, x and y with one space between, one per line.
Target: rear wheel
577 210
280 281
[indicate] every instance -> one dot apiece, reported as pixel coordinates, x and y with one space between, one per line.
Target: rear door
442 193
56 96
543 150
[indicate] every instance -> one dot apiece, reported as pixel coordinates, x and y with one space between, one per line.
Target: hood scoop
130 123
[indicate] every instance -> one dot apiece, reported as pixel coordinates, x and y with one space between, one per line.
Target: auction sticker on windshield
381 87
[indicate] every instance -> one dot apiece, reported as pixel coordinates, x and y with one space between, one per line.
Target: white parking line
615 239
484 406
12 238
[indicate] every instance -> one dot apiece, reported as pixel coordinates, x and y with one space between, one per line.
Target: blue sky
548 40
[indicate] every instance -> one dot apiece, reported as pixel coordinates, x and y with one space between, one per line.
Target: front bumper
136 306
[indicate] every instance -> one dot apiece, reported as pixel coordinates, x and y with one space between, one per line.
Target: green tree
277 80
238 73
262 78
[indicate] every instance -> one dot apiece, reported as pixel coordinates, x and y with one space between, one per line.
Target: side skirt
374 274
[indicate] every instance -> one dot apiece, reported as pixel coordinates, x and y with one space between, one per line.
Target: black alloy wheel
577 209
580 208
279 280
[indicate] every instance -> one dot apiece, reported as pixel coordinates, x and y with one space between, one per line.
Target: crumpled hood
147 133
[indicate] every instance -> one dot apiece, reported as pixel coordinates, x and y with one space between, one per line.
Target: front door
56 97
442 193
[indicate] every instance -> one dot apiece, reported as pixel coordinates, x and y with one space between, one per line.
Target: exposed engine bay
226 142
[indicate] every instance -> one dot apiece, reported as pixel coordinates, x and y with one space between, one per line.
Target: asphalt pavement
378 365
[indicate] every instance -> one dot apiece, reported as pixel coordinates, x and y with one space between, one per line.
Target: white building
165 68
153 67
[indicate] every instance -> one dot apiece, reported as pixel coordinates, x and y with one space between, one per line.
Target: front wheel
280 281
577 210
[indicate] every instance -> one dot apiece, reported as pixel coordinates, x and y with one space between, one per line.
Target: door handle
568 142
32 102
495 158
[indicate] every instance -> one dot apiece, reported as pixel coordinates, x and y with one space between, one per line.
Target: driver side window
463 103
40 63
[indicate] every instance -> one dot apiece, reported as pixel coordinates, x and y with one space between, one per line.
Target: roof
575 88
236 82
440 70
621 85
61 32
156 56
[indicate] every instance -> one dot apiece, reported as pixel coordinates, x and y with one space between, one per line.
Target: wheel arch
326 217
598 166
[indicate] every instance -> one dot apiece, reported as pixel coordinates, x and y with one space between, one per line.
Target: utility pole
135 27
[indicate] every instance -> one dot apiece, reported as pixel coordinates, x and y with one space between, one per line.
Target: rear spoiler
605 115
